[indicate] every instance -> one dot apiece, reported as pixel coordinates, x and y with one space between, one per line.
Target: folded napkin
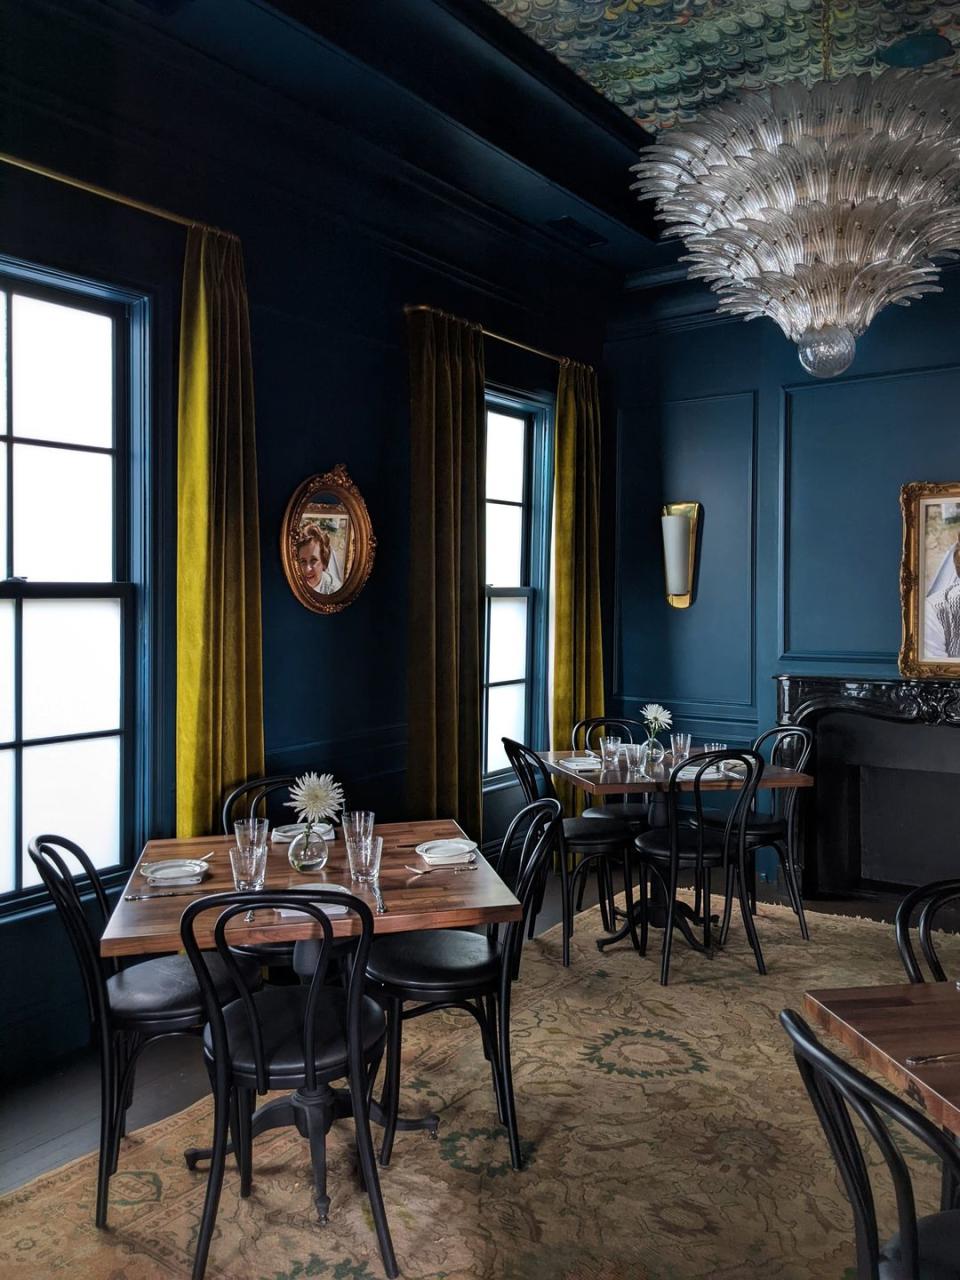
447 853
284 834
734 769
583 764
328 908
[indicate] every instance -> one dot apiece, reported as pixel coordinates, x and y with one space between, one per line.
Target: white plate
174 871
284 834
442 853
330 909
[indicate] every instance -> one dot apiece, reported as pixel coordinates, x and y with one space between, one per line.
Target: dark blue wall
338 235
800 480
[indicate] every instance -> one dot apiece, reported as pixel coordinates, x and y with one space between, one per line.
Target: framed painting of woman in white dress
930 580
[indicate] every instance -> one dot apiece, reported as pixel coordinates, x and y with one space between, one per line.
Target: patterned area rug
667 1132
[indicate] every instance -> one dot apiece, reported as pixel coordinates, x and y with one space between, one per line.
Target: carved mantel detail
913 701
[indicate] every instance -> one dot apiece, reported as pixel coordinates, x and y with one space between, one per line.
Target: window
517 554
68 625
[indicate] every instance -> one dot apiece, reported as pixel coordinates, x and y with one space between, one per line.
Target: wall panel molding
719 709
790 393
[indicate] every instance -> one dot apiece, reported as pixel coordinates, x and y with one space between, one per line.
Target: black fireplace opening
883 814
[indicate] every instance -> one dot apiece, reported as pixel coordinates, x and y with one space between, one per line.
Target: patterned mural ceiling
663 61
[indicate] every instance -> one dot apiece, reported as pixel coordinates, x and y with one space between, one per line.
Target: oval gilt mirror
326 542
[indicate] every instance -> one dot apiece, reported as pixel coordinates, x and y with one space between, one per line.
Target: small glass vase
308 850
651 752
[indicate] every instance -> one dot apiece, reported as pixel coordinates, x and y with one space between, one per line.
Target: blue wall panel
848 448
829 459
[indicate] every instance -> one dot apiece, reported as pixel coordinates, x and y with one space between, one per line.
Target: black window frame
537 410
133 556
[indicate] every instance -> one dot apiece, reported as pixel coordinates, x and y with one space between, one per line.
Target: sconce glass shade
676 557
678 523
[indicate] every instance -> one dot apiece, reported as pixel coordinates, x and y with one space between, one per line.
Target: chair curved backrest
928 900
735 830
534 836
532 774
591 729
52 855
249 799
789 746
310 902
835 1089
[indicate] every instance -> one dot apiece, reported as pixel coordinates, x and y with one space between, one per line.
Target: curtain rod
92 189
488 333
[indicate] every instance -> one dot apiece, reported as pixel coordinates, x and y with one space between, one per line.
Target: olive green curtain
576 639
447 454
219 673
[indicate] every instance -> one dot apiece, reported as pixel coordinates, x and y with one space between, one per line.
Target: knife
922 1060
145 897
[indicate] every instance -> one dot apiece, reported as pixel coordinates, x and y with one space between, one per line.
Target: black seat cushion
938 1237
167 988
655 843
605 833
759 826
281 1012
306 954
630 812
434 960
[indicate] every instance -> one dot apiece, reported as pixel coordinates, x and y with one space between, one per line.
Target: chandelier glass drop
816 206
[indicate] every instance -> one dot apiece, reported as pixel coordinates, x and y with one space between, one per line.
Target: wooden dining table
146 920
445 898
656 778
881 1027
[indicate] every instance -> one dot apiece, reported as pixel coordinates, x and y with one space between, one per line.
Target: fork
425 871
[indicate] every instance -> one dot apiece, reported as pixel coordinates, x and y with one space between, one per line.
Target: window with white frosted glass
516 517
66 601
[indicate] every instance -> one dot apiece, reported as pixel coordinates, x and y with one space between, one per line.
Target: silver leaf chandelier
816 206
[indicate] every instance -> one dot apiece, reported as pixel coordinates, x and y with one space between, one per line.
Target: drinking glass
633 751
249 866
251 833
610 752
357 827
714 746
364 858
679 746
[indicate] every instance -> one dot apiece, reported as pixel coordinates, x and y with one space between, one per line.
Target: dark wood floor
54 1118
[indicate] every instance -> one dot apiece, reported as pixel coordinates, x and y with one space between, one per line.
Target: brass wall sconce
679 522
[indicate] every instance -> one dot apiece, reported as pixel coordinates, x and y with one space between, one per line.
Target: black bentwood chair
129 1007
596 842
460 969
635 813
691 847
926 1248
298 1038
789 746
252 799
928 900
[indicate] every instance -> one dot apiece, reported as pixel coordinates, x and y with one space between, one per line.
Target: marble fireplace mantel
916 701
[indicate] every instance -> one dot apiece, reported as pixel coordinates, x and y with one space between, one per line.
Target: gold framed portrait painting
326 542
930 580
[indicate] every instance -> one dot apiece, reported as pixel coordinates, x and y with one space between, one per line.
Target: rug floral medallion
666 1133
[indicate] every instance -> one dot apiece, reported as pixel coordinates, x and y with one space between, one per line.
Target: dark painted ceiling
451 87
663 61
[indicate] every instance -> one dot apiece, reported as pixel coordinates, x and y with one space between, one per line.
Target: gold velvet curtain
219 674
447 454
577 647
